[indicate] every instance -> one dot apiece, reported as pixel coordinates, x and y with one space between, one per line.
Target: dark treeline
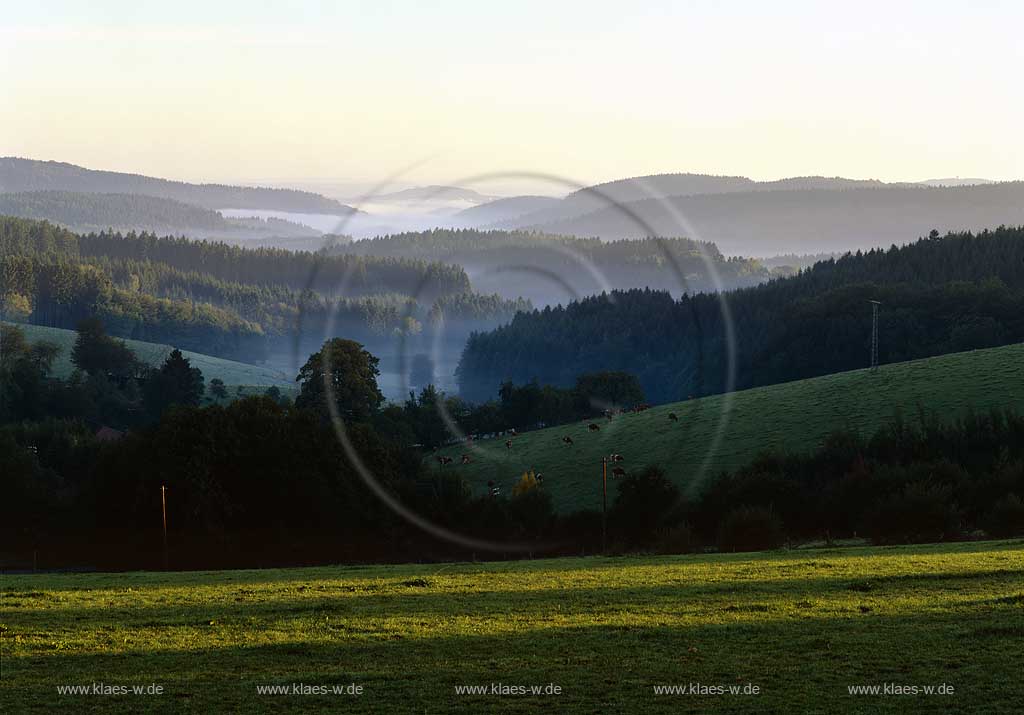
938 295
262 481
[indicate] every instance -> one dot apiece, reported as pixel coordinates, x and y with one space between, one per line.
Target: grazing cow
593 427
672 416
466 459
616 457
567 440
492 489
508 444
539 477
512 431
618 472
443 460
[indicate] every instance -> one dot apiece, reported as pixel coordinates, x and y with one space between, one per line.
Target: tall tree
175 383
350 371
97 353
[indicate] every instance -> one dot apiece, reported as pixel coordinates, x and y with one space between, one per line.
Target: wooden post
163 508
604 505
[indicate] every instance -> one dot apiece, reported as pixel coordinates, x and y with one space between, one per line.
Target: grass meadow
254 379
795 415
799 625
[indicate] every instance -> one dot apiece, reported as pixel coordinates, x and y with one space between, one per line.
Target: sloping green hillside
794 416
231 372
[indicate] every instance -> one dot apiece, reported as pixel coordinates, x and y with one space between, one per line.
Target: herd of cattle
617 471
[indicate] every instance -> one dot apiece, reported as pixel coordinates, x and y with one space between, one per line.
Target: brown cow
672 416
567 440
616 457
593 427
508 444
466 459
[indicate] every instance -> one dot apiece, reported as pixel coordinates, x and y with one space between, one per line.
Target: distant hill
795 416
549 269
764 223
87 212
957 181
503 210
638 188
434 193
96 212
19 175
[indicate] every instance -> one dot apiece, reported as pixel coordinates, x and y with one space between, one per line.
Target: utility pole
874 334
604 505
163 506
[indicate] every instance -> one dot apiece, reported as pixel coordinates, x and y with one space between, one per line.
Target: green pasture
801 626
253 378
791 416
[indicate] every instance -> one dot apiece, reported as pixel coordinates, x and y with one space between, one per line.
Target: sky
443 92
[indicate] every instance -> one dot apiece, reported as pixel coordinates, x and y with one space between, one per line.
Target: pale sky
358 91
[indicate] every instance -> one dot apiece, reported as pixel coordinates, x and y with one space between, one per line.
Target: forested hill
225 300
939 295
21 175
97 212
551 269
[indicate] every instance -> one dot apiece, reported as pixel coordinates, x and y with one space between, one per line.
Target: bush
920 513
531 512
750 528
647 503
1006 517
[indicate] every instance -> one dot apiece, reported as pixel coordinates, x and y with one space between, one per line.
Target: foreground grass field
794 416
801 626
231 372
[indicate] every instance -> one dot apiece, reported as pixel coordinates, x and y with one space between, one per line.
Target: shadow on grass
800 666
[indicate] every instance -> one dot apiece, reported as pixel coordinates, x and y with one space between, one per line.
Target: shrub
647 504
1006 517
527 483
750 528
920 513
531 512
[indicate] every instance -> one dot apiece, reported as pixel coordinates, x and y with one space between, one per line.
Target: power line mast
874 334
